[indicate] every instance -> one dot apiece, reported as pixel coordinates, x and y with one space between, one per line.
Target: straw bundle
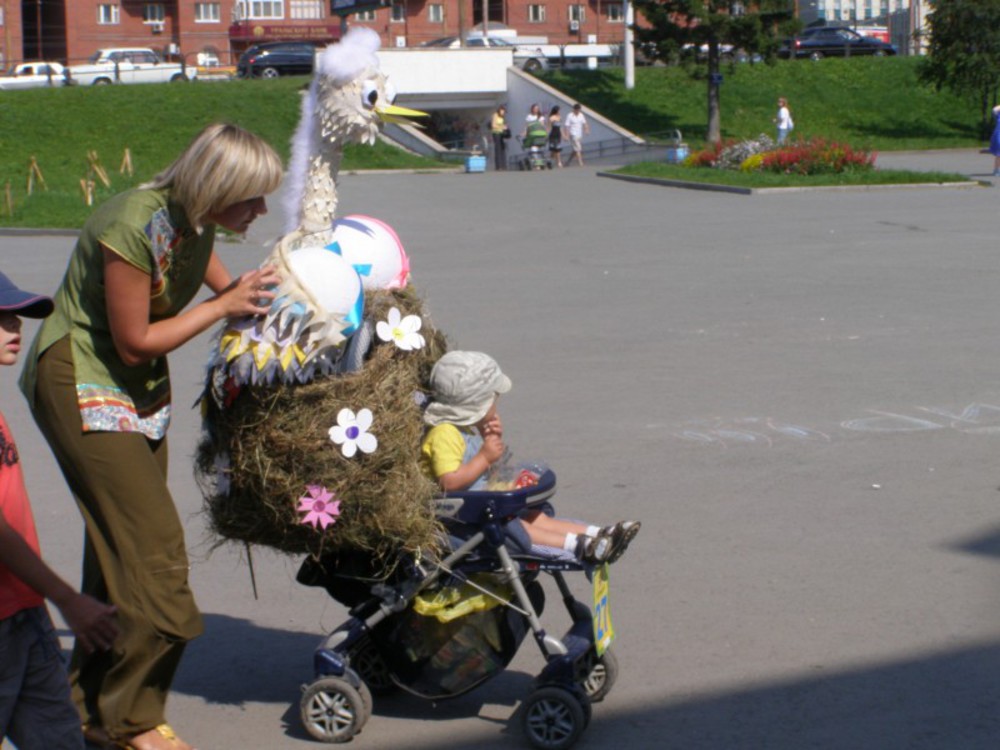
262 451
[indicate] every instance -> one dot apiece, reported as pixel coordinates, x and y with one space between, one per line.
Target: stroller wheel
332 710
601 678
371 668
553 718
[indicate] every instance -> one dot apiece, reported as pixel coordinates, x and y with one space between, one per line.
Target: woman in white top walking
783 120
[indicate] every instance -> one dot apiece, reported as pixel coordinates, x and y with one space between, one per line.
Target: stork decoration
320 300
311 408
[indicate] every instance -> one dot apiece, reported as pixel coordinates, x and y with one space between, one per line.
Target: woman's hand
251 294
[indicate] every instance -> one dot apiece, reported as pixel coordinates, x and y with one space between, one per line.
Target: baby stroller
442 627
534 143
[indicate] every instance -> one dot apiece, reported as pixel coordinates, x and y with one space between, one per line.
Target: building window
435 13
577 13
107 14
365 15
306 10
1 16
398 12
207 13
536 14
153 13
261 9
615 14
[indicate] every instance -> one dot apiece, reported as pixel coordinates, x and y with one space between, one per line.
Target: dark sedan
275 59
829 41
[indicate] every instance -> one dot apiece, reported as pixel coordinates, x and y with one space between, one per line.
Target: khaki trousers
134 556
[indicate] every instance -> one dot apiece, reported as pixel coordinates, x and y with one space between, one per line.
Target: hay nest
267 445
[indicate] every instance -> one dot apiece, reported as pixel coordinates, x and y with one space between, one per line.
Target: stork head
353 97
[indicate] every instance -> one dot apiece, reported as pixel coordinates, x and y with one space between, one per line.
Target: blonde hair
222 166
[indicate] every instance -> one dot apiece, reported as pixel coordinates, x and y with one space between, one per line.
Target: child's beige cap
464 386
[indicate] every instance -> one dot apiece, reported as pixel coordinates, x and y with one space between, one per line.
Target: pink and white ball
374 249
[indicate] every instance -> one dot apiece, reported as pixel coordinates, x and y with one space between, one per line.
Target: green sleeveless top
152 233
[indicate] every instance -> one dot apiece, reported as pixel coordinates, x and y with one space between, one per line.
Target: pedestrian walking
577 127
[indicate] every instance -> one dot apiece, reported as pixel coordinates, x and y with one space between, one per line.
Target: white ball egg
331 280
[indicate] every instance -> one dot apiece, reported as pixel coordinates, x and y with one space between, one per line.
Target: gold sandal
164 730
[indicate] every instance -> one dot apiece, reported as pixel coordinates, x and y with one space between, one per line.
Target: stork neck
319 199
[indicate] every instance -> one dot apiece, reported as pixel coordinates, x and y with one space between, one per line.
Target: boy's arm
92 621
466 474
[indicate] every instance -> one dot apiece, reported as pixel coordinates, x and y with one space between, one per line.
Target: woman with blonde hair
97 382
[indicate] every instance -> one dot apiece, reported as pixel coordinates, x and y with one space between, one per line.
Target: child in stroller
534 142
443 623
466 440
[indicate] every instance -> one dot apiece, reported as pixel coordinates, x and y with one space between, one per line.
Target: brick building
71 30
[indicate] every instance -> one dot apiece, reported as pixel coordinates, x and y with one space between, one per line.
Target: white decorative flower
401 331
351 432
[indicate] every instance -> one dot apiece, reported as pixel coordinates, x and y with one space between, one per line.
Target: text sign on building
347 7
284 33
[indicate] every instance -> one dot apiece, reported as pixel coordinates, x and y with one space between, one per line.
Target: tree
685 27
964 51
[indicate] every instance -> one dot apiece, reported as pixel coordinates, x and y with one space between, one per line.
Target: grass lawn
154 121
869 103
769 180
872 103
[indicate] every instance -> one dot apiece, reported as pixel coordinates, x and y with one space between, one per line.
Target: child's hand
493 448
493 427
92 621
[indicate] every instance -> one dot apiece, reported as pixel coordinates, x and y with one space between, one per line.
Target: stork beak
398 115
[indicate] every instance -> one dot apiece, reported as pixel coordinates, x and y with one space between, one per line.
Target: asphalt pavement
797 394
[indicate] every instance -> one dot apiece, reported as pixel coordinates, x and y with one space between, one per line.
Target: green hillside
866 102
60 126
877 103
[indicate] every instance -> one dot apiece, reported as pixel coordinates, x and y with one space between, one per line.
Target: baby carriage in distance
441 627
534 143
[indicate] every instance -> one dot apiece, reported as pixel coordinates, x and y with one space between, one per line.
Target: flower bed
762 154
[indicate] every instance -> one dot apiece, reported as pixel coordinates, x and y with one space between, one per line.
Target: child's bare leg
539 523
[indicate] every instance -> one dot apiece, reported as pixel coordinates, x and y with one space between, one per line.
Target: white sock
569 543
593 530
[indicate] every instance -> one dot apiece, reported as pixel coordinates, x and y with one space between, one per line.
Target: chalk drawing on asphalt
974 419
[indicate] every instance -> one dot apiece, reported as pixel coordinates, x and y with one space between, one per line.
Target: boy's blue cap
25 304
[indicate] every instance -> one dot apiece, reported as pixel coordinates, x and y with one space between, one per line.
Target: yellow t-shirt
442 451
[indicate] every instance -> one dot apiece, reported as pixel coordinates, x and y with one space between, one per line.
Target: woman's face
239 216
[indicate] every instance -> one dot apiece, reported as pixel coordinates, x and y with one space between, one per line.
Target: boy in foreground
36 712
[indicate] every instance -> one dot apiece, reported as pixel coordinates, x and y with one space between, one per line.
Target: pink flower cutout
317 506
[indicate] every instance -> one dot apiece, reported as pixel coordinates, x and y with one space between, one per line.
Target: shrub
704 158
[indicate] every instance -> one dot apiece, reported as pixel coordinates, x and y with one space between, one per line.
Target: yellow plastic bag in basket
451 602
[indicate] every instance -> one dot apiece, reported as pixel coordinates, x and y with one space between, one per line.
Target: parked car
32 75
128 65
274 59
833 41
525 58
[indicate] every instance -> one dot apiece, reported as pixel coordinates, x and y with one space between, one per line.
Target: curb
716 188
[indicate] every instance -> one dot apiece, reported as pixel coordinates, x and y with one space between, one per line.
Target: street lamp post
38 29
629 47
